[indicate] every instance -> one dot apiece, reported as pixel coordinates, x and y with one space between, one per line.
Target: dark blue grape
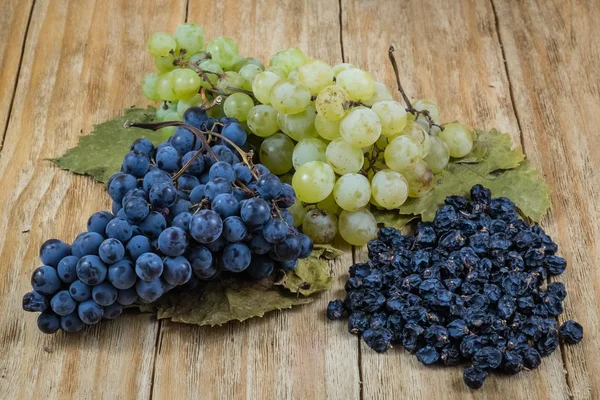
286 197
177 270
163 195
258 244
172 241
71 322
127 297
260 267
239 194
48 322
91 270
234 229
168 159
197 194
54 250
201 261
287 250
90 312
275 230
187 182
148 267
80 291
288 265
154 177
235 132
136 163
215 187
306 245
206 226
45 280
149 290
261 169
223 153
223 170
115 209
242 173
143 145
136 209
255 212
119 184
268 186
182 221
67 269
113 311
195 116
153 225
137 246
122 274
35 302
98 221
379 339
104 294
236 257
203 178
184 141
196 168
217 245
180 206
121 214
288 217
226 205
111 250
120 229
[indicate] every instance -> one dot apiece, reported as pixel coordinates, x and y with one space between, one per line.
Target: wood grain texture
291 354
14 16
553 60
448 52
81 65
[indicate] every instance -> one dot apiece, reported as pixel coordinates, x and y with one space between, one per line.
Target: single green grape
164 87
313 181
402 152
276 153
165 108
320 225
299 126
160 44
190 36
361 127
341 67
249 72
419 177
238 105
298 212
262 120
327 129
208 79
310 149
288 60
243 61
224 51
418 132
197 58
359 84
168 131
329 205
438 156
289 97
389 189
183 105
262 84
343 158
166 63
392 116
430 106
315 75
230 80
185 83
382 93
459 139
357 227
352 192
149 86
332 102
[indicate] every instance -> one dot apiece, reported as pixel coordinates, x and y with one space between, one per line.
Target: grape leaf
100 154
392 218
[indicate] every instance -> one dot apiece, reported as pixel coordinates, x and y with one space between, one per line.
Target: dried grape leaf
392 218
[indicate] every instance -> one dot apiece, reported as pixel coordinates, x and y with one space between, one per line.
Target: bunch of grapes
350 145
186 211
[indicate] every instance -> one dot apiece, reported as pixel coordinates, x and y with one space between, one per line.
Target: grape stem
232 89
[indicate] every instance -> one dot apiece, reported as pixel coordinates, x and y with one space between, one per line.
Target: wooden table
531 68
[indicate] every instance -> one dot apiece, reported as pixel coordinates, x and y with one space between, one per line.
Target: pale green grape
242 62
198 57
417 132
438 156
168 131
352 192
357 227
392 116
160 44
211 66
190 36
341 67
298 211
389 189
149 87
230 79
164 87
459 139
430 106
165 64
316 75
185 83
313 181
165 108
262 120
329 205
299 126
223 50
288 60
327 129
382 93
403 152
358 83
276 153
293 75
343 158
249 72
238 105
361 127
183 105
419 177
332 102
262 84
277 71
238 61
320 225
289 97
311 149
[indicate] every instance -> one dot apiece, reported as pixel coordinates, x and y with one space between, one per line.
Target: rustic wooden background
531 68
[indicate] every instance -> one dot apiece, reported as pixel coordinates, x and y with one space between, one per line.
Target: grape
341 67
459 139
104 294
360 127
136 164
236 257
48 323
258 244
111 251
315 75
223 50
54 250
343 158
197 166
249 72
164 88
80 291
182 221
113 311
90 312
268 186
88 243
332 103
238 105
389 189
119 184
184 105
143 145
223 170
155 176
168 159
201 260
206 226
197 194
149 87
215 187
438 156
136 209
262 120
207 78
90 270
177 270
230 80
183 140
275 230
190 36
311 149
276 153
327 129
127 297
419 178
153 225
165 108
71 322
132 194
392 116
169 130
149 290
165 64
255 212
172 241
179 207
186 183
382 93
313 181
288 60
357 227
352 192
358 84
402 152
430 106
148 266
234 229
289 97
120 229
260 267
299 126
286 197
62 303
329 204
306 245
417 132
242 173
122 274
298 212
225 205
262 84
223 153
289 265
35 302
160 44
286 250
137 246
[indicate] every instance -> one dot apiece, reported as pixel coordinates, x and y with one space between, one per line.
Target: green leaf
100 154
392 218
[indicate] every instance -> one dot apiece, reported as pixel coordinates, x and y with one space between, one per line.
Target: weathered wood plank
290 354
553 59
448 52
82 64
14 16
